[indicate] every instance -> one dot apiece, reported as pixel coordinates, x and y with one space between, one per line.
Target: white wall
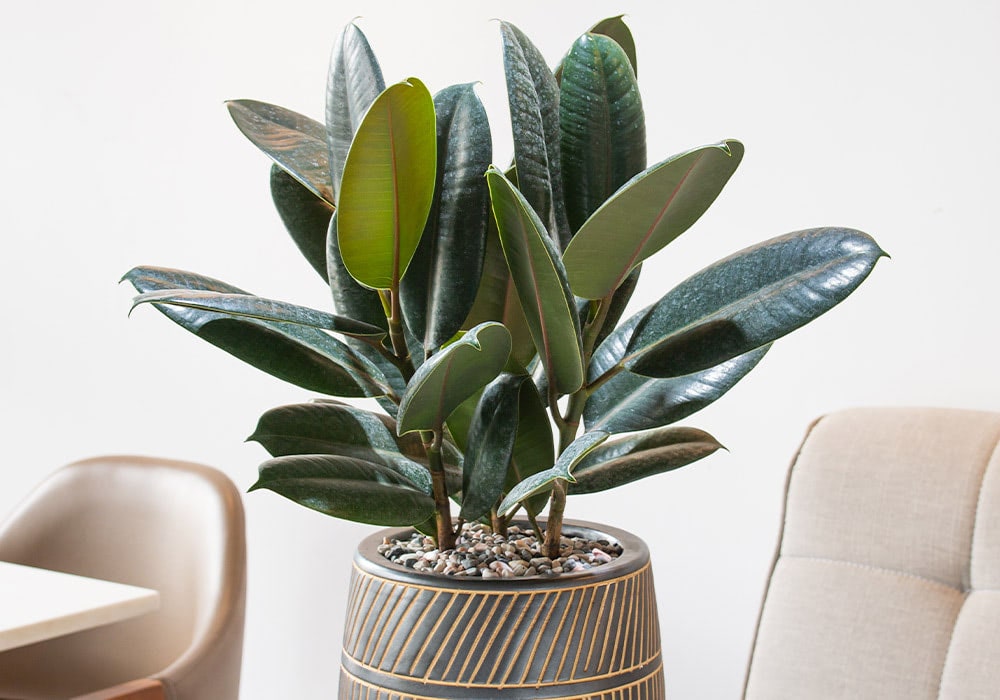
117 151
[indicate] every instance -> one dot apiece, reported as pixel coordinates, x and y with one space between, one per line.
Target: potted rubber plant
481 309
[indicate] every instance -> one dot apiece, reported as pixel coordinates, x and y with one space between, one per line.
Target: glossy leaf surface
540 281
346 487
562 469
335 429
249 306
303 356
349 297
451 376
533 98
645 214
293 141
616 29
496 299
306 217
490 446
353 81
635 457
441 282
629 402
750 299
388 185
602 126
534 450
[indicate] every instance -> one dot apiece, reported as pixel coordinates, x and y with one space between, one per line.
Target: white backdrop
879 115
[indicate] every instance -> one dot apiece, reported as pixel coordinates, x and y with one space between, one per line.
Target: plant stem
442 506
499 523
396 326
569 425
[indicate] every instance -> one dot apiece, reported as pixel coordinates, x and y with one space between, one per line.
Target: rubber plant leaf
293 141
645 214
309 436
306 217
451 376
602 126
490 446
353 81
534 450
613 28
496 299
540 281
562 469
616 29
388 185
335 429
440 285
260 308
533 97
303 356
629 402
749 299
621 461
349 297
346 487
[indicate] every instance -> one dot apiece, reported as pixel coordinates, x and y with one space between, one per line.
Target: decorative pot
584 634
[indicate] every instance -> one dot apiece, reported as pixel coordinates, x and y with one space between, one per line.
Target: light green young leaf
388 185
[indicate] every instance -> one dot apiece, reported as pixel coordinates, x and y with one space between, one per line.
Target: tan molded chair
172 526
887 579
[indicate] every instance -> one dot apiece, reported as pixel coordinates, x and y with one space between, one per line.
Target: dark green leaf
335 429
637 456
249 306
306 217
645 214
490 446
540 281
440 284
303 356
496 299
630 402
353 82
451 376
346 487
603 130
562 469
388 185
534 450
750 299
533 97
295 142
615 28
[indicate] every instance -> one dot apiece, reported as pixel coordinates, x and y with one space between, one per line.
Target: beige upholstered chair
887 580
172 526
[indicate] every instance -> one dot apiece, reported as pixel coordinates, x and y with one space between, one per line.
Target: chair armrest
145 689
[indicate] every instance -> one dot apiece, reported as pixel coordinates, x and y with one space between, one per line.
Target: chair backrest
887 578
176 527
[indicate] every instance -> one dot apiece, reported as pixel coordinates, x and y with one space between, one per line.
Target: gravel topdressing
481 553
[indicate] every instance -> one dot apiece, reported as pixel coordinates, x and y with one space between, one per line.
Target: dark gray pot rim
635 556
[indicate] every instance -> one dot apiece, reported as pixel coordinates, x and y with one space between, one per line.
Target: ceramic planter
586 634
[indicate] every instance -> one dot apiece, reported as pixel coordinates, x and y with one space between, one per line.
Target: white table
37 604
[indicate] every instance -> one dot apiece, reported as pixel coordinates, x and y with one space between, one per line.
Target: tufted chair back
887 579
